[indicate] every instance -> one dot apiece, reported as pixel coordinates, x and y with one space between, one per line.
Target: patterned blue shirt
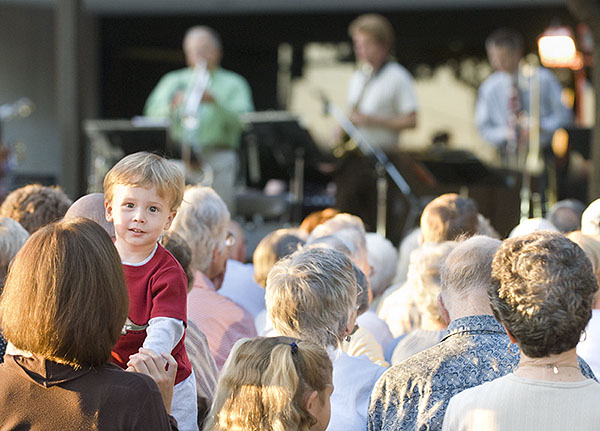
414 394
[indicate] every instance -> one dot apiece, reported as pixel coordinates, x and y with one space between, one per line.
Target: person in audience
273 384
531 225
430 324
566 215
382 256
196 344
349 230
203 221
362 342
311 295
400 309
409 243
413 394
590 219
589 345
316 218
62 310
274 246
238 283
91 206
35 205
542 293
142 193
12 238
445 218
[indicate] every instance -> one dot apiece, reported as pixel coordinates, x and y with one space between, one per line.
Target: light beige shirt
517 403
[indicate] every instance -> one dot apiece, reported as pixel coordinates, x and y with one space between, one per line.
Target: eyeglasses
229 239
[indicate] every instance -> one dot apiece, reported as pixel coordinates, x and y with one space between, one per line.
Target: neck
561 367
133 254
470 305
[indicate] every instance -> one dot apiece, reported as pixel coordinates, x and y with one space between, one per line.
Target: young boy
142 193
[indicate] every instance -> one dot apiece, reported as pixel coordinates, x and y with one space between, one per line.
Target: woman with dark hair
62 309
543 292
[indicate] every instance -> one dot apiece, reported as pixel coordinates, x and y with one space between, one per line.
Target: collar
44 372
201 281
480 324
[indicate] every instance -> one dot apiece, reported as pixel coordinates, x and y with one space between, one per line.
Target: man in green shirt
215 129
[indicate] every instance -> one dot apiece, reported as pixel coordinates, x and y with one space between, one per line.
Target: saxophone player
382 101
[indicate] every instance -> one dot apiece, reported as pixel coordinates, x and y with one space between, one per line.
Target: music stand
276 146
111 140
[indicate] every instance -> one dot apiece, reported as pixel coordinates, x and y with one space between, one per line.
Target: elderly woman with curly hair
543 291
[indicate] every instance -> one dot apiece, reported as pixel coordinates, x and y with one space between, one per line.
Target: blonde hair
447 217
264 385
424 277
376 26
145 169
310 295
274 246
65 297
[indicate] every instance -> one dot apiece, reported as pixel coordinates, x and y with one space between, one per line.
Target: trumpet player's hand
359 119
207 97
176 101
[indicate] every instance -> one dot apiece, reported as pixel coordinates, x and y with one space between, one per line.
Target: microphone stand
383 166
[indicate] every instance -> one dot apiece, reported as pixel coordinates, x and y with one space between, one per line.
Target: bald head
466 275
202 43
91 206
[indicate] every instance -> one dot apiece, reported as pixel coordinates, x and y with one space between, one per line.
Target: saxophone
345 146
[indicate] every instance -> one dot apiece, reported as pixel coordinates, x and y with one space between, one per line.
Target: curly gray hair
542 291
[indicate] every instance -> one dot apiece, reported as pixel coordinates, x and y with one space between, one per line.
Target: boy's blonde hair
265 383
145 169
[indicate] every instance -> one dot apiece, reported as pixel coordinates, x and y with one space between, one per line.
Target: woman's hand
150 363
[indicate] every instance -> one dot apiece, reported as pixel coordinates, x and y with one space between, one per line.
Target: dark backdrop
137 51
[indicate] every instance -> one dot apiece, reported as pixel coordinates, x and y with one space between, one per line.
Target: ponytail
264 384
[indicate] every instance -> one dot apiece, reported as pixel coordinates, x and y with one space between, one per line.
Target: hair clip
294 347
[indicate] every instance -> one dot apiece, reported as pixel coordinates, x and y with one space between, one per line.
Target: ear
313 403
510 336
350 325
108 211
172 215
215 254
443 309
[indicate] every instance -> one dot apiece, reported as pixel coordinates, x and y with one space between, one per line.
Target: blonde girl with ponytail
273 384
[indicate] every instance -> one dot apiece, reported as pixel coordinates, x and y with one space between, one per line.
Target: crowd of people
138 309
116 315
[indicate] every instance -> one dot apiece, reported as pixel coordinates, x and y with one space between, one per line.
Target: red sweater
157 288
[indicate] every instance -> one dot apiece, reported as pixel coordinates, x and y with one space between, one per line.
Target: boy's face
140 215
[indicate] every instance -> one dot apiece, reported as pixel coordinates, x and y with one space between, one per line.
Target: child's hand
150 363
